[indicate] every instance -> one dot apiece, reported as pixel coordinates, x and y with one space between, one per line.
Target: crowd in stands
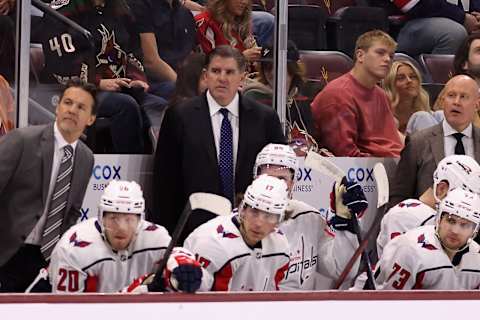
192 83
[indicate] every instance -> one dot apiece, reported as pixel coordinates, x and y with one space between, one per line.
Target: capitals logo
225 234
421 240
78 243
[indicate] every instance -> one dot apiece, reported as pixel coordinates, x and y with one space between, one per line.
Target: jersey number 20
68 280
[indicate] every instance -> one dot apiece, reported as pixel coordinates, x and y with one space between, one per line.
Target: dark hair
461 56
188 77
88 87
228 52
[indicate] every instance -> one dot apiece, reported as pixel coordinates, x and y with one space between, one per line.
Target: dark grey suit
26 157
418 160
186 158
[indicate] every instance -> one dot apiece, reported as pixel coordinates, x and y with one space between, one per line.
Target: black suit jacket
186 157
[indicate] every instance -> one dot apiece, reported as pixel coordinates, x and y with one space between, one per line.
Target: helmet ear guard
268 194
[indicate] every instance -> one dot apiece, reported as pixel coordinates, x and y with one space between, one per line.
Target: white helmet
459 171
461 203
269 194
276 154
122 197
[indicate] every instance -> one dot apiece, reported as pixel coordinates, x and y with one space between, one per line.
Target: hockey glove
346 198
354 198
183 272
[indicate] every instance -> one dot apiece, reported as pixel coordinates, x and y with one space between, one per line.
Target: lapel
476 143
243 132
46 147
204 123
436 140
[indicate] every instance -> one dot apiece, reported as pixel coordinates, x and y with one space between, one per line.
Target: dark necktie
459 149
58 203
226 156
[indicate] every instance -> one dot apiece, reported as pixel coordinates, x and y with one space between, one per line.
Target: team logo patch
408 204
56 4
421 240
225 234
78 243
151 227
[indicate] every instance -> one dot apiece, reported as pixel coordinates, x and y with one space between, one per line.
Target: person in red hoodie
352 114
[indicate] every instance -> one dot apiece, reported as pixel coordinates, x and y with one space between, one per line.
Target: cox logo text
106 172
360 174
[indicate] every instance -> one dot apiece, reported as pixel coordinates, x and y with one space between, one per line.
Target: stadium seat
306 26
344 27
439 67
331 6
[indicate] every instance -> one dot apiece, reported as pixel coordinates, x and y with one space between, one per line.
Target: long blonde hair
422 101
229 22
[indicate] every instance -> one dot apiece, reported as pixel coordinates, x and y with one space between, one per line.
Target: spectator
105 254
299 116
7 39
209 143
119 75
227 22
44 174
424 149
352 115
409 101
434 26
6 107
167 35
191 79
467 57
244 251
436 257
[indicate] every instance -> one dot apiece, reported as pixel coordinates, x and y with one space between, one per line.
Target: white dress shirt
59 142
217 117
450 142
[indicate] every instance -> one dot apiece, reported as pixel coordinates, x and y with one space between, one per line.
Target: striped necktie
58 203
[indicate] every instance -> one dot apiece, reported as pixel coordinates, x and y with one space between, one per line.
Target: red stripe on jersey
419 281
91 284
222 278
280 275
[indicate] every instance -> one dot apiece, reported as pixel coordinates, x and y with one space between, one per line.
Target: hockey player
452 172
108 253
442 256
245 251
318 242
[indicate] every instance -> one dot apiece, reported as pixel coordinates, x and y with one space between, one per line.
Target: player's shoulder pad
298 208
150 232
275 243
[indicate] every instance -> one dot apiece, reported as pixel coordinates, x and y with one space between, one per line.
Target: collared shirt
59 142
450 142
217 117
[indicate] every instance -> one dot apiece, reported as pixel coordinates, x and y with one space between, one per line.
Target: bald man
424 149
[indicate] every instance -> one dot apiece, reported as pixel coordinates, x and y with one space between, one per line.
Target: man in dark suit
209 143
424 149
44 173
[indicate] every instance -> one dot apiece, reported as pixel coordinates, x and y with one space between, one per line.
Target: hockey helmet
463 204
459 171
276 154
122 197
268 194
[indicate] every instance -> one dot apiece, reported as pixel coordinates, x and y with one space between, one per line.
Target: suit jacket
26 157
186 157
419 159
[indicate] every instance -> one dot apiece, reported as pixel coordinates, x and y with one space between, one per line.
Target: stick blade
210 202
381 179
323 165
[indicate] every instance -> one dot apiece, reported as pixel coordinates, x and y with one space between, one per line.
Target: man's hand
114 84
252 54
139 84
5 6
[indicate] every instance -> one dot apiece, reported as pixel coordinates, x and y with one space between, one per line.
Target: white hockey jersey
230 264
416 260
83 261
407 215
314 247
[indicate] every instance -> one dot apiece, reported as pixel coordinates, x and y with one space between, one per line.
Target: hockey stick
326 167
381 180
204 201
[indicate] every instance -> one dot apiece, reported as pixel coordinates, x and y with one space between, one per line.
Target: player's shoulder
151 233
275 243
299 208
410 209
